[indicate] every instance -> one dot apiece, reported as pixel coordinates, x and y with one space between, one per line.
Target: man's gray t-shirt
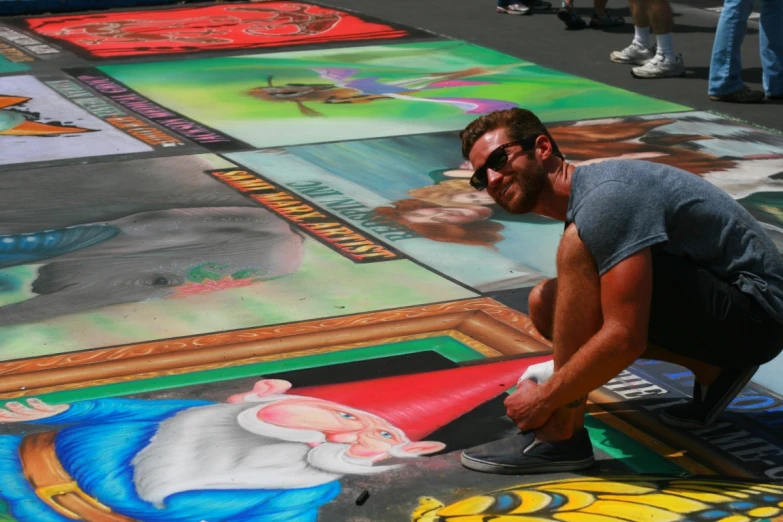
621 207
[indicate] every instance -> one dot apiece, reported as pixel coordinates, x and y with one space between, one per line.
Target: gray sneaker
660 67
524 453
635 54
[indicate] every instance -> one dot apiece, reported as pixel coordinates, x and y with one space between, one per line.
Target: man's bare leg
659 15
661 19
642 46
599 6
641 23
577 317
639 13
666 63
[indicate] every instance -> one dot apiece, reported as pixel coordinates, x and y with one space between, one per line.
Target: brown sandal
602 22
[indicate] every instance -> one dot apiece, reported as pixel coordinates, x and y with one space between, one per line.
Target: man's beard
206 448
531 184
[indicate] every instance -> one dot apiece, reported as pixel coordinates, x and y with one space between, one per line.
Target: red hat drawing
421 403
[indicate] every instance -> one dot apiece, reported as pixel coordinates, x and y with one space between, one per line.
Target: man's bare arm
626 292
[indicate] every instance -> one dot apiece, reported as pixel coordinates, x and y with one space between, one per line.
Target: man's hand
36 409
527 407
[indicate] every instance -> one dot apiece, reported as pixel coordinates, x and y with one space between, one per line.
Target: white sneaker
660 67
514 9
635 53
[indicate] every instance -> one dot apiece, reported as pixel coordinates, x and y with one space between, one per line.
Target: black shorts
693 313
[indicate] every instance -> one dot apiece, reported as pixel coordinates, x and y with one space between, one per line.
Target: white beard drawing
207 447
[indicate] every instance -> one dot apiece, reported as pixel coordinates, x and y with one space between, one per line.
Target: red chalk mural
209 28
277 452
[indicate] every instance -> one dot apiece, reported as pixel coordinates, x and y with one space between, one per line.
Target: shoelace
639 46
631 49
655 61
532 445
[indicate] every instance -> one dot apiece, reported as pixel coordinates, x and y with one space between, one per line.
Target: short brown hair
521 124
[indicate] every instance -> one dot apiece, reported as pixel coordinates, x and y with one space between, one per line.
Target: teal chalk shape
7 66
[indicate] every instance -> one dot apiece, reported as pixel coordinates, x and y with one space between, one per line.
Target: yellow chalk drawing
617 499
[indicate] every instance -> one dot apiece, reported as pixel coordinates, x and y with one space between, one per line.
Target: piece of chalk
363 498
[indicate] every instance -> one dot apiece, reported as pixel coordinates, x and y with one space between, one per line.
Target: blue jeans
726 63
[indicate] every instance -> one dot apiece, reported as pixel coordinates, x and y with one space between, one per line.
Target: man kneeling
654 262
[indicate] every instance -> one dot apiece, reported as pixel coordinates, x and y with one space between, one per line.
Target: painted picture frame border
648 451
482 320
414 34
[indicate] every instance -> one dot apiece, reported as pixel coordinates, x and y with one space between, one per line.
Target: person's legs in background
771 43
662 21
642 47
602 19
567 15
665 63
725 83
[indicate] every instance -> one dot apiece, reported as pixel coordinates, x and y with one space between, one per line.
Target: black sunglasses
496 160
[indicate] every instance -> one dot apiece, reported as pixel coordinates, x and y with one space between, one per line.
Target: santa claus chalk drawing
265 455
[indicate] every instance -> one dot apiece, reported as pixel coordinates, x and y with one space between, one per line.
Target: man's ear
544 147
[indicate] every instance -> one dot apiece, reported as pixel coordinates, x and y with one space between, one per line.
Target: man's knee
542 297
541 306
